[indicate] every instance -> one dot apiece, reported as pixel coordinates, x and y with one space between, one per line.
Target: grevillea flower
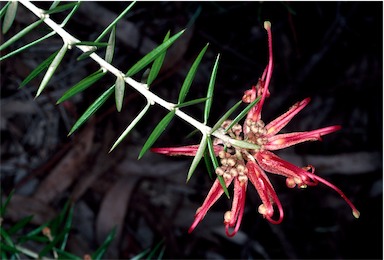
238 165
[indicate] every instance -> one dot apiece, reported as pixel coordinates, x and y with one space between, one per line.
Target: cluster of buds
240 165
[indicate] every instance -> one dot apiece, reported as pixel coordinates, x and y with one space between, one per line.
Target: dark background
329 51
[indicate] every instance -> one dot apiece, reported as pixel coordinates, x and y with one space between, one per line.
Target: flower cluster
240 165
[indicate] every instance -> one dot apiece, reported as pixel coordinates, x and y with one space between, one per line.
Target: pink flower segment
238 165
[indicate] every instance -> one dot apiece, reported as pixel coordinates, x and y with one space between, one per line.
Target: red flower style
238 165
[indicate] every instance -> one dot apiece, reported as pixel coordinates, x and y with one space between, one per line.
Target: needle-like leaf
82 85
216 164
38 69
20 34
113 24
242 113
92 109
98 254
159 129
95 44
155 69
3 206
152 55
211 86
198 156
191 102
190 76
225 116
131 126
119 92
4 9
52 68
10 15
60 8
19 225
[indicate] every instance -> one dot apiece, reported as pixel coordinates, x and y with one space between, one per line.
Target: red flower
239 165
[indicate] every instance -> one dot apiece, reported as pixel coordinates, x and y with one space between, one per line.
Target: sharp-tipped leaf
98 254
244 144
119 92
39 69
95 44
69 16
23 48
198 156
155 69
113 24
4 9
152 55
159 129
191 102
9 16
82 85
66 255
3 206
60 8
67 225
131 126
211 86
54 5
52 68
20 34
86 54
151 255
19 225
111 46
190 76
208 163
225 116
141 255
53 243
92 109
242 113
216 164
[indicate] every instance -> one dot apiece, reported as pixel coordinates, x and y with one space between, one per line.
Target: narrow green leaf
23 48
10 15
159 129
191 102
53 243
151 255
54 4
67 225
60 8
155 69
82 85
211 86
242 114
131 126
152 55
86 54
39 69
4 9
19 225
111 46
34 233
140 255
216 164
95 44
208 163
4 205
98 254
10 249
66 255
20 34
92 109
6 237
69 16
52 68
190 76
111 25
225 116
119 92
198 156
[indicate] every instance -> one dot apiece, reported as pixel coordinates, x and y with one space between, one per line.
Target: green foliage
9 15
